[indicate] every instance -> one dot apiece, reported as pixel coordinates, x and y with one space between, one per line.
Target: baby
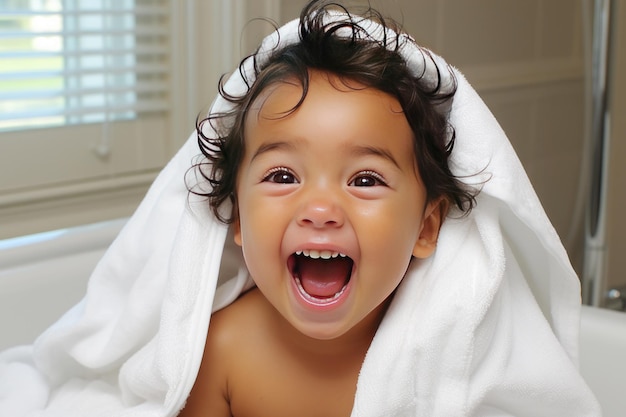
337 168
373 279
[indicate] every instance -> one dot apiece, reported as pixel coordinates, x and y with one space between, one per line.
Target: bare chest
292 384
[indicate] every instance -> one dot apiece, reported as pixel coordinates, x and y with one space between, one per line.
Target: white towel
487 326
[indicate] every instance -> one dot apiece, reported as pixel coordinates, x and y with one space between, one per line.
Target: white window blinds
67 62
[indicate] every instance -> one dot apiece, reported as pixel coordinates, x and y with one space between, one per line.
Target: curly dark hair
374 62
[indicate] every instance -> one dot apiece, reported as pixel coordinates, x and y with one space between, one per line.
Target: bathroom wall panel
484 32
560 29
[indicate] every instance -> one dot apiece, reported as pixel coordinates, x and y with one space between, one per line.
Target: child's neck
357 339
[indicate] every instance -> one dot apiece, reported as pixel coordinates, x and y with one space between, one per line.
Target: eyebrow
274 146
360 150
356 150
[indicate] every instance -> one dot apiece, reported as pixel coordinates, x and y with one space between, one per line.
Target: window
88 109
81 61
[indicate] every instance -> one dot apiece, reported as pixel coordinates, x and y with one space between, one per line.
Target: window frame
111 164
205 42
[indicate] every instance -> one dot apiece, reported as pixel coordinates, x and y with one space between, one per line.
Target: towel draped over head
486 326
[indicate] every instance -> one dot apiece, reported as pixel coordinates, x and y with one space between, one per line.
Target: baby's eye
367 179
280 176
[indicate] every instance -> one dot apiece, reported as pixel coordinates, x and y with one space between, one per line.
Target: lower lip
320 305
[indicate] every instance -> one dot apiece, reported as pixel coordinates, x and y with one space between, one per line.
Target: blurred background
96 96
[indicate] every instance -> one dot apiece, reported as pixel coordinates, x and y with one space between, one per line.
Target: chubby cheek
260 237
393 228
387 244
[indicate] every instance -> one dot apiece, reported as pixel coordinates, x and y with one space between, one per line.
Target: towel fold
487 326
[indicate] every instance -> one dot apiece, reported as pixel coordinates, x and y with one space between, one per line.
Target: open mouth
321 276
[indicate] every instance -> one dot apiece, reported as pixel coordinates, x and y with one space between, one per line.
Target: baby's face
331 207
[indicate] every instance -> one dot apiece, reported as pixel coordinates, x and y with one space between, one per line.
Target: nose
321 212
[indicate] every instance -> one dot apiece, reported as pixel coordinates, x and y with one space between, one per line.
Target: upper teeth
316 254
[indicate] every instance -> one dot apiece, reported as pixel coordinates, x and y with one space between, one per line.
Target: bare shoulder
233 327
228 333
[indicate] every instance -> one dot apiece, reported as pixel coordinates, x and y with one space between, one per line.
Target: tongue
323 278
